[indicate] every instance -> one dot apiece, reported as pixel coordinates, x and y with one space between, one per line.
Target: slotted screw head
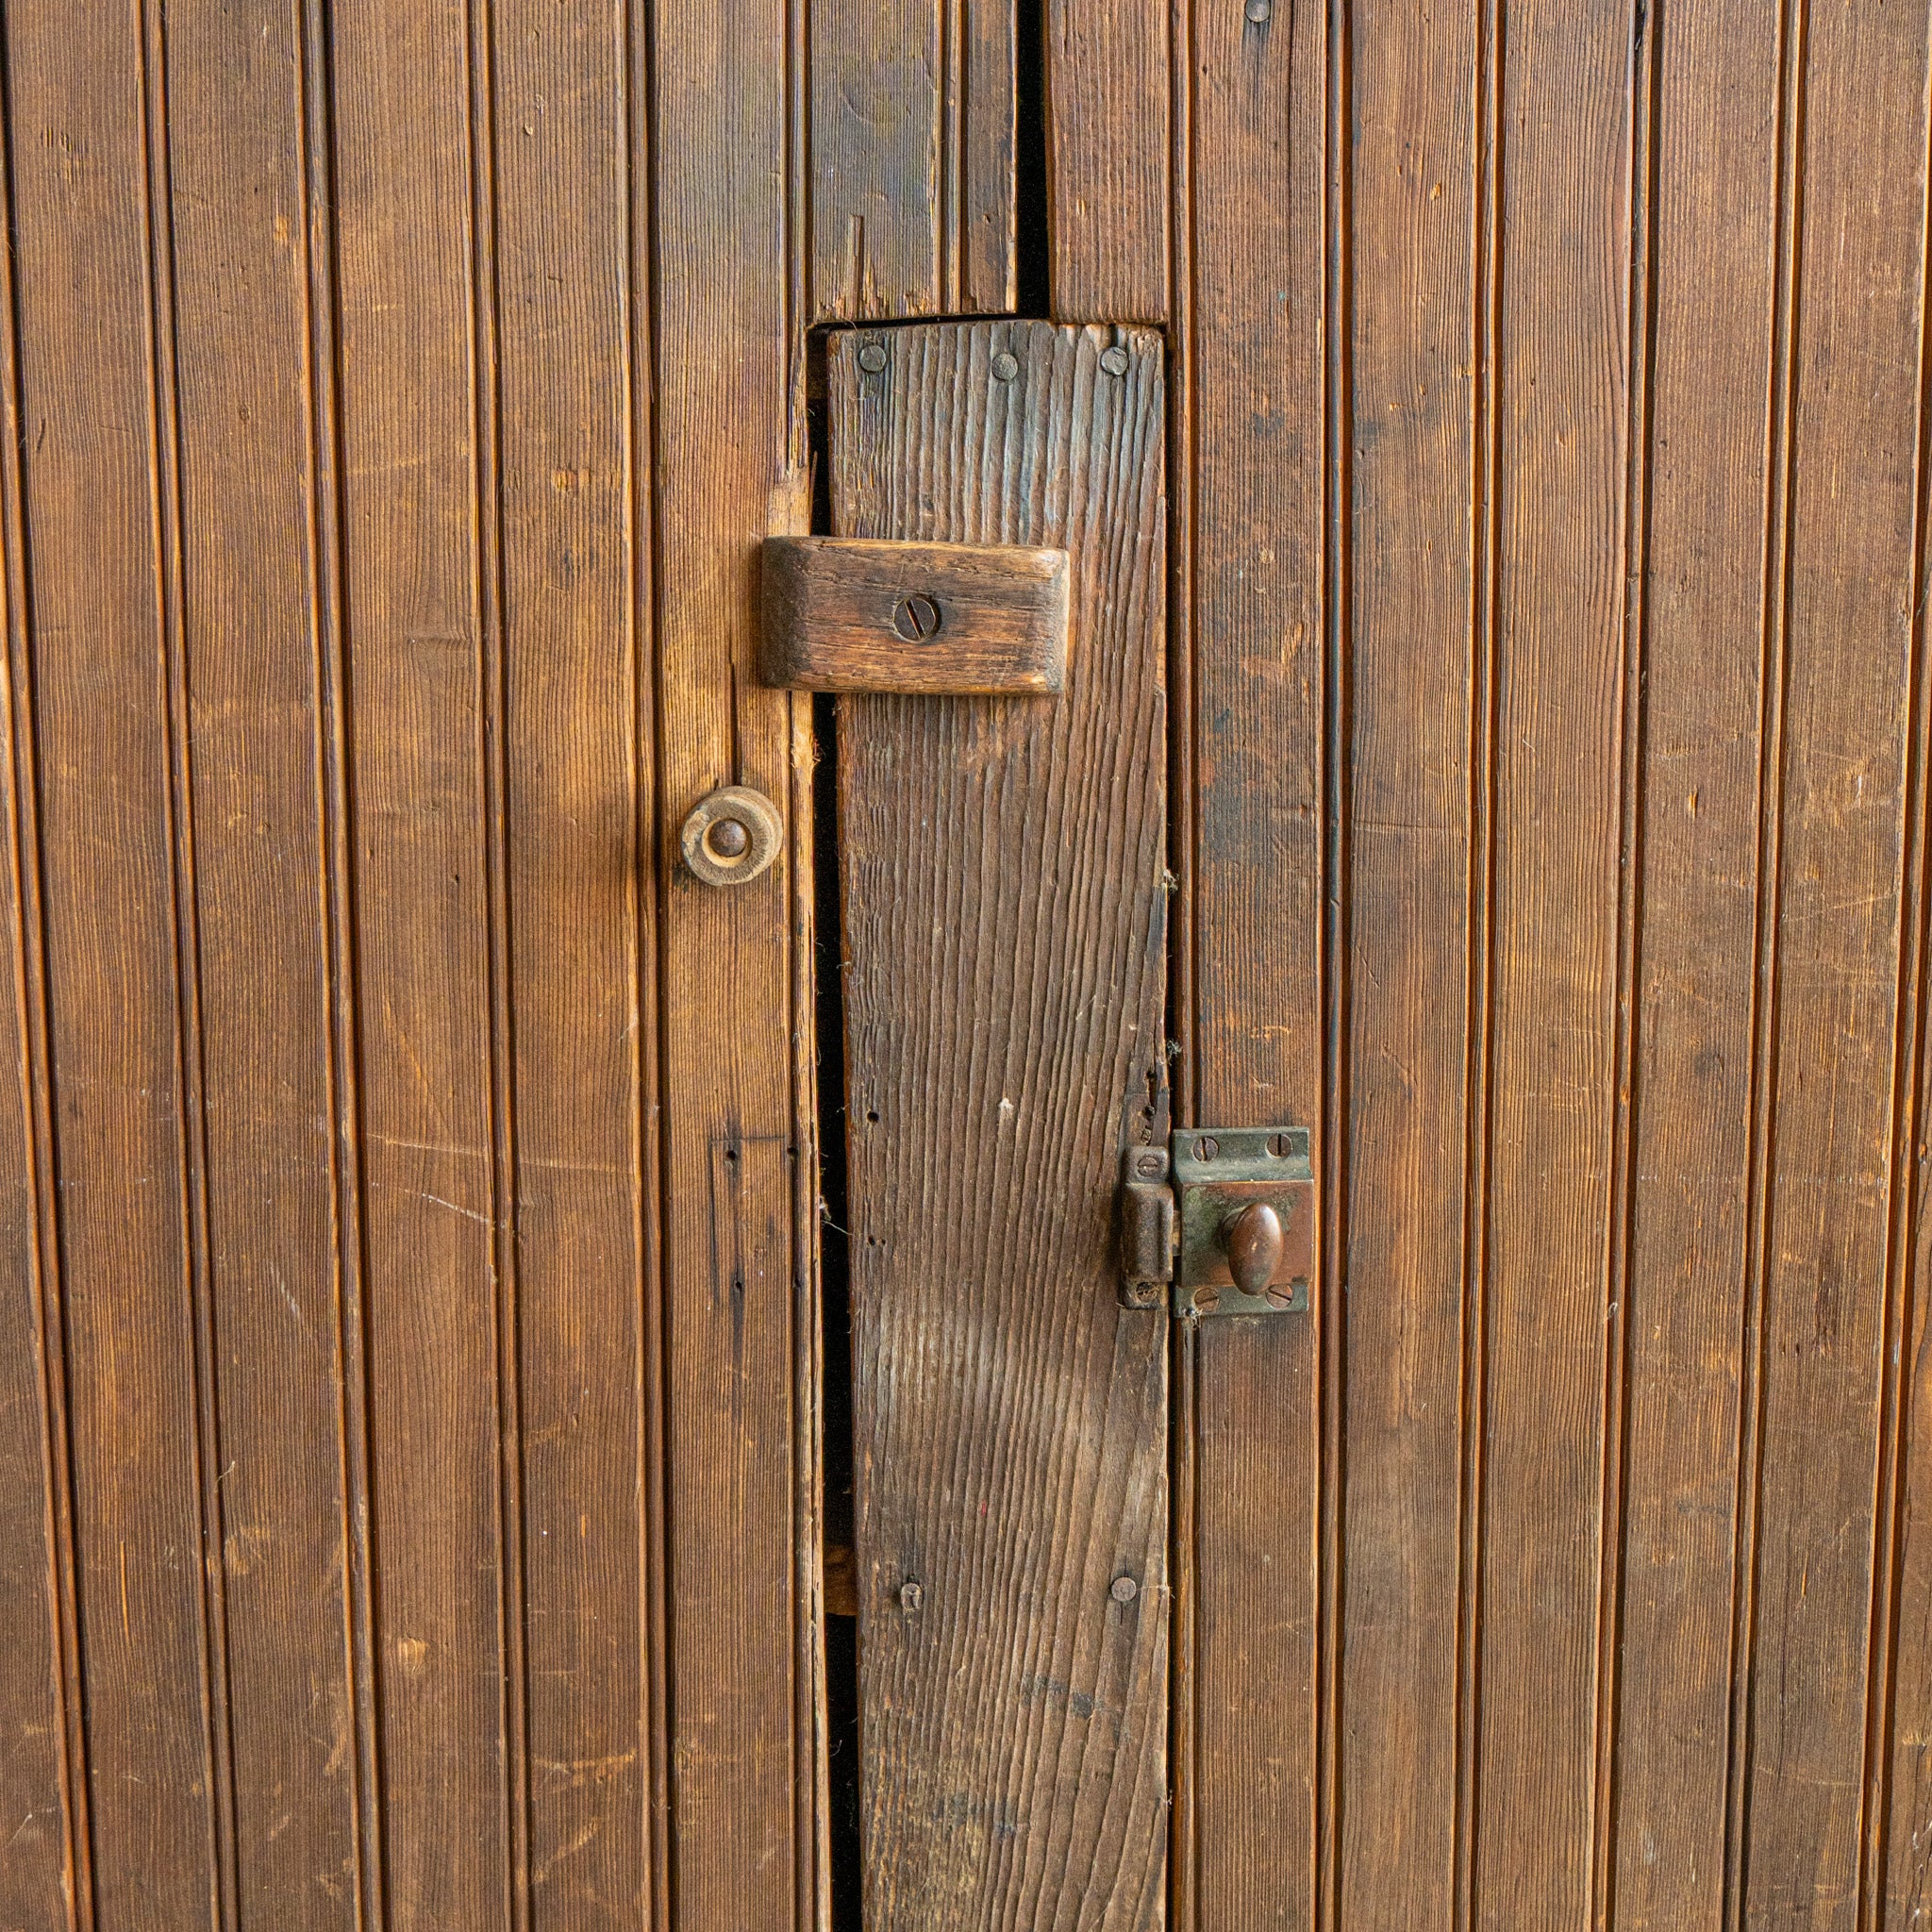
1004 367
916 618
871 358
1149 1166
1114 360
1206 1147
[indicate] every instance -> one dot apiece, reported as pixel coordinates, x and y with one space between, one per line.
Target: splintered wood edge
836 617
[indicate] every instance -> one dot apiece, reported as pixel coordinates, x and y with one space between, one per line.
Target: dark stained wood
1004 927
985 619
101 508
911 157
739 1302
1699 632
1409 1025
1851 578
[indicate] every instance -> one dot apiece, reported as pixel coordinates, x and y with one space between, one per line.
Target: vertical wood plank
1849 593
1252 288
254 709
1562 300
422 649
1108 129
576 875
92 374
1904 1884
1713 282
911 157
728 222
1004 931
1412 683
47 1878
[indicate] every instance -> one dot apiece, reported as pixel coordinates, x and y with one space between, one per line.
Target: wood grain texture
1004 927
101 505
912 143
1107 158
1850 585
1714 192
425 642
984 619
729 471
1562 299
574 986
1416 198
255 714
47 1878
1251 294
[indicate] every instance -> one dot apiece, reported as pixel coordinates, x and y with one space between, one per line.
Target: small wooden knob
1253 1241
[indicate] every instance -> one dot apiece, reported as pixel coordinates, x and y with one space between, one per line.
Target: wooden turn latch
942 619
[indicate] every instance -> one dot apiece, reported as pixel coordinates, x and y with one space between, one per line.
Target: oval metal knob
1253 1241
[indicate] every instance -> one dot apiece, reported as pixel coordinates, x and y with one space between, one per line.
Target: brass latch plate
1222 1194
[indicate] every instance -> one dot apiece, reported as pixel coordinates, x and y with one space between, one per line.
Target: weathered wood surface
333 1411
1004 935
1584 693
841 614
909 156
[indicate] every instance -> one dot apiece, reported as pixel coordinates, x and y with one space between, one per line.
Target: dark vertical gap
835 1394
1032 253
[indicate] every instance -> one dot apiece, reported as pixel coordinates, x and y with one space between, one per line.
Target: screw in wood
1114 360
916 618
911 1597
728 838
871 358
1124 1589
1004 367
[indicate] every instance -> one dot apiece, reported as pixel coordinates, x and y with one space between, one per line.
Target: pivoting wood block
964 619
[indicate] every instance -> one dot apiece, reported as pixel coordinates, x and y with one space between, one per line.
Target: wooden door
539 1390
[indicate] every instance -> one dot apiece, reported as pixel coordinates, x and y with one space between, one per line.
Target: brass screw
871 358
1004 367
1124 1589
1114 360
1277 1145
911 1597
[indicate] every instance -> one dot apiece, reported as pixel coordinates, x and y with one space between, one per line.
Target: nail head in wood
939 618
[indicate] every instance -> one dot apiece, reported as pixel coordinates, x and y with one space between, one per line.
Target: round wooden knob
732 836
1253 1241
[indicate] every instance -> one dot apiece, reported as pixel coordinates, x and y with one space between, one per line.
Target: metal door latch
1227 1217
